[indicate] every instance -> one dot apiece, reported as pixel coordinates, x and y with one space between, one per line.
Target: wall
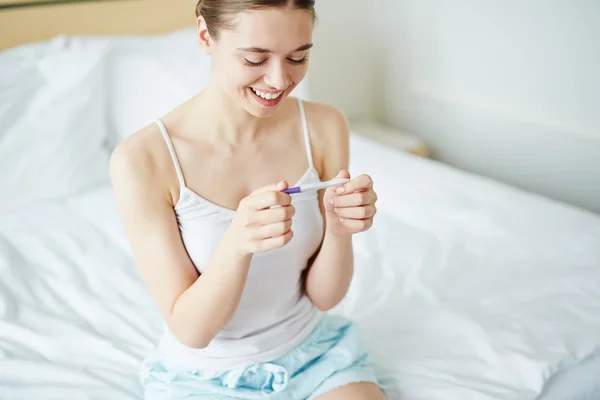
508 89
343 64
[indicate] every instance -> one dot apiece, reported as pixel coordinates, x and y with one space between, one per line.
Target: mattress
464 289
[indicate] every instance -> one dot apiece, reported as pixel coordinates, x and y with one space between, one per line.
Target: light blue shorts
332 356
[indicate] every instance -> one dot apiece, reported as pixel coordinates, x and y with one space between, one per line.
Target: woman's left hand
350 208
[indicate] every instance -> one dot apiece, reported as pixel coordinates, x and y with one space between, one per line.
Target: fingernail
331 201
341 219
281 184
340 190
335 210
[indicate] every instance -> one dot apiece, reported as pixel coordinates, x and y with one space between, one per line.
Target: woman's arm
195 307
346 213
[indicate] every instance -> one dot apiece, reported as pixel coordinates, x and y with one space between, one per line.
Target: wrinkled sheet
464 289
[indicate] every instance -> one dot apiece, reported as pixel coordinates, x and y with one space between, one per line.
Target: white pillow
151 75
52 121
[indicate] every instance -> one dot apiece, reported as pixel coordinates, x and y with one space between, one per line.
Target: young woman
242 272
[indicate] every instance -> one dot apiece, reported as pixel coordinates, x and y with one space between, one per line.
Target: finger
274 242
272 215
354 199
360 212
264 200
272 188
360 182
357 225
271 230
343 174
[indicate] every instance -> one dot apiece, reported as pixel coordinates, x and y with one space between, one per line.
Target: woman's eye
296 61
254 63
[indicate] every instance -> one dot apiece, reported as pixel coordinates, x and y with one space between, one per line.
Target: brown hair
216 12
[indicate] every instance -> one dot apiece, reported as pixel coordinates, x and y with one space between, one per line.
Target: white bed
464 288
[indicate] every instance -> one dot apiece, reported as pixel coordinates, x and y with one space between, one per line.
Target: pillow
52 121
151 75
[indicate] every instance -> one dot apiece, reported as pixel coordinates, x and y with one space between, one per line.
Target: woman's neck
224 119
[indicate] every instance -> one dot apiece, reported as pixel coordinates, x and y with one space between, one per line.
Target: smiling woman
280 59
243 270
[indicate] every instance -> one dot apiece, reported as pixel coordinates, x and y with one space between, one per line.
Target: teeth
267 96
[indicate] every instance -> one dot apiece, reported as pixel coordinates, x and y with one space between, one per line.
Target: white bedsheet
464 289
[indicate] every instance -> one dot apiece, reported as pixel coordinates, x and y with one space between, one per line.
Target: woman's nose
276 76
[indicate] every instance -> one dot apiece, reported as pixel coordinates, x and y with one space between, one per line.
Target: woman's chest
225 178
203 231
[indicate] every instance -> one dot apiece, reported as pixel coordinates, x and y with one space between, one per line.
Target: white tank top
273 316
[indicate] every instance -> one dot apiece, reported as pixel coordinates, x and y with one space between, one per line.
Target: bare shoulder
134 155
135 164
329 135
327 121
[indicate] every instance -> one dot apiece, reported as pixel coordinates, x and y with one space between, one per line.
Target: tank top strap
306 133
165 134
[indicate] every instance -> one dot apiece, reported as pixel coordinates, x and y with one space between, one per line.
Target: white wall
342 65
509 89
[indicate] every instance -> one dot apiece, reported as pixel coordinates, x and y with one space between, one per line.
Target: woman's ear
202 35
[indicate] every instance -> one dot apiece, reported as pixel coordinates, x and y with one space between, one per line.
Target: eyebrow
260 50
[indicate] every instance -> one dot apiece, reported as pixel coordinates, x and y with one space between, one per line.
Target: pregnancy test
314 186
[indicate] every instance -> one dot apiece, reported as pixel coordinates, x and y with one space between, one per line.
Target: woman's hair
217 13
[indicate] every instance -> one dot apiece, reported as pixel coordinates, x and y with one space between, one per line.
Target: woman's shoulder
322 114
328 127
329 135
145 151
138 161
138 152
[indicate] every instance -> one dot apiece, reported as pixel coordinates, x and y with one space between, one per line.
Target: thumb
343 174
275 187
330 192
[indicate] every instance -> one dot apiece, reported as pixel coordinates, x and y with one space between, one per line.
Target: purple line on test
293 190
315 186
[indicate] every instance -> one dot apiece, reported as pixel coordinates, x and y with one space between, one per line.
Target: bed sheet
75 320
489 291
580 382
464 289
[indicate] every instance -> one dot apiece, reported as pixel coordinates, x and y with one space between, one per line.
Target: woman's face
263 57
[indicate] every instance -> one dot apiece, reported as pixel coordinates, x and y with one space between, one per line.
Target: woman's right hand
257 226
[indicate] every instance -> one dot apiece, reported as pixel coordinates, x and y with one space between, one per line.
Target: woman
241 271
